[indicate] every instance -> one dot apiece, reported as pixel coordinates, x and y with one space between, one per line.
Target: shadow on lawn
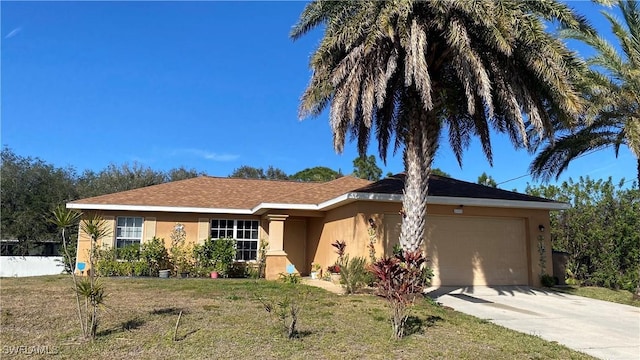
168 311
301 334
416 325
128 325
180 338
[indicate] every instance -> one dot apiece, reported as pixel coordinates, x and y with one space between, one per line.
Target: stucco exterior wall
158 224
308 236
295 244
350 223
338 224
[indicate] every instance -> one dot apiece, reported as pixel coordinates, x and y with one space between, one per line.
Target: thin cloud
13 33
210 155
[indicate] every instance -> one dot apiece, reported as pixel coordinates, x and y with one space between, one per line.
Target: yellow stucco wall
158 224
341 224
308 236
295 243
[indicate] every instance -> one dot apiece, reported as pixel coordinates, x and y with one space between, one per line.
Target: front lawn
616 296
224 319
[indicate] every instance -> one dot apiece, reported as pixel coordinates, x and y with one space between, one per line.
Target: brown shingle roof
228 193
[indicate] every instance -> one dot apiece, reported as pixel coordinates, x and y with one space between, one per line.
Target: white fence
19 266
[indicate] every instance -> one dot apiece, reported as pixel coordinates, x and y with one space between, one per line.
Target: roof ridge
252 179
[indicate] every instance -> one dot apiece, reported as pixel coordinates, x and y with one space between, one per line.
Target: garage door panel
477 251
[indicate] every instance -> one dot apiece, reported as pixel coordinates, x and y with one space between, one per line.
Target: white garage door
474 250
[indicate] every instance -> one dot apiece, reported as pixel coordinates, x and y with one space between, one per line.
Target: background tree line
600 232
32 188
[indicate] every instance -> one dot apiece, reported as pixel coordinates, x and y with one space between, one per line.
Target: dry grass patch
224 319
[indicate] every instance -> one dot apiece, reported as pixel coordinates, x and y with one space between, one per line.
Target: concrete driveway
599 328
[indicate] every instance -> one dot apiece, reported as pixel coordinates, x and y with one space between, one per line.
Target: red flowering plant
400 279
340 246
334 269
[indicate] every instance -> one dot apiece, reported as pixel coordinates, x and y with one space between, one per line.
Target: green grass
616 296
225 319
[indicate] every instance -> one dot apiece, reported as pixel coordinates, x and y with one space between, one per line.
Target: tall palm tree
415 68
613 90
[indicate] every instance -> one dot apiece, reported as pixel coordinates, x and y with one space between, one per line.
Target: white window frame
128 239
235 236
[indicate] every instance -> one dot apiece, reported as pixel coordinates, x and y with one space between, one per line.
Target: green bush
199 271
105 262
238 270
354 274
215 254
290 278
129 252
547 280
108 265
155 255
203 254
125 268
141 268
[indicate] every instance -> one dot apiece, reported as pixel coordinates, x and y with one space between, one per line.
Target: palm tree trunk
420 146
637 294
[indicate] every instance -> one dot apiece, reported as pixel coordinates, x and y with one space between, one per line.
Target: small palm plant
92 290
65 218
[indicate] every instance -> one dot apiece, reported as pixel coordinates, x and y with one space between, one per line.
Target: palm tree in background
409 70
612 88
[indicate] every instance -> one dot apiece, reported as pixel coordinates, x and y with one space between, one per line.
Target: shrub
182 258
128 253
286 309
199 271
399 279
262 259
125 268
290 278
547 280
254 271
155 255
354 274
141 268
203 254
216 255
105 262
340 247
397 250
239 270
224 254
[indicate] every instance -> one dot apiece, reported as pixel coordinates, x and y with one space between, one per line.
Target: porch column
276 261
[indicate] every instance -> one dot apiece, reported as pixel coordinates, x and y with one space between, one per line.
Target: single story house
476 235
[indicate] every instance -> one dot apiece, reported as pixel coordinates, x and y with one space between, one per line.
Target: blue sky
205 85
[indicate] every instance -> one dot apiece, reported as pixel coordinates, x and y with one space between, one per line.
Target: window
128 231
245 232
